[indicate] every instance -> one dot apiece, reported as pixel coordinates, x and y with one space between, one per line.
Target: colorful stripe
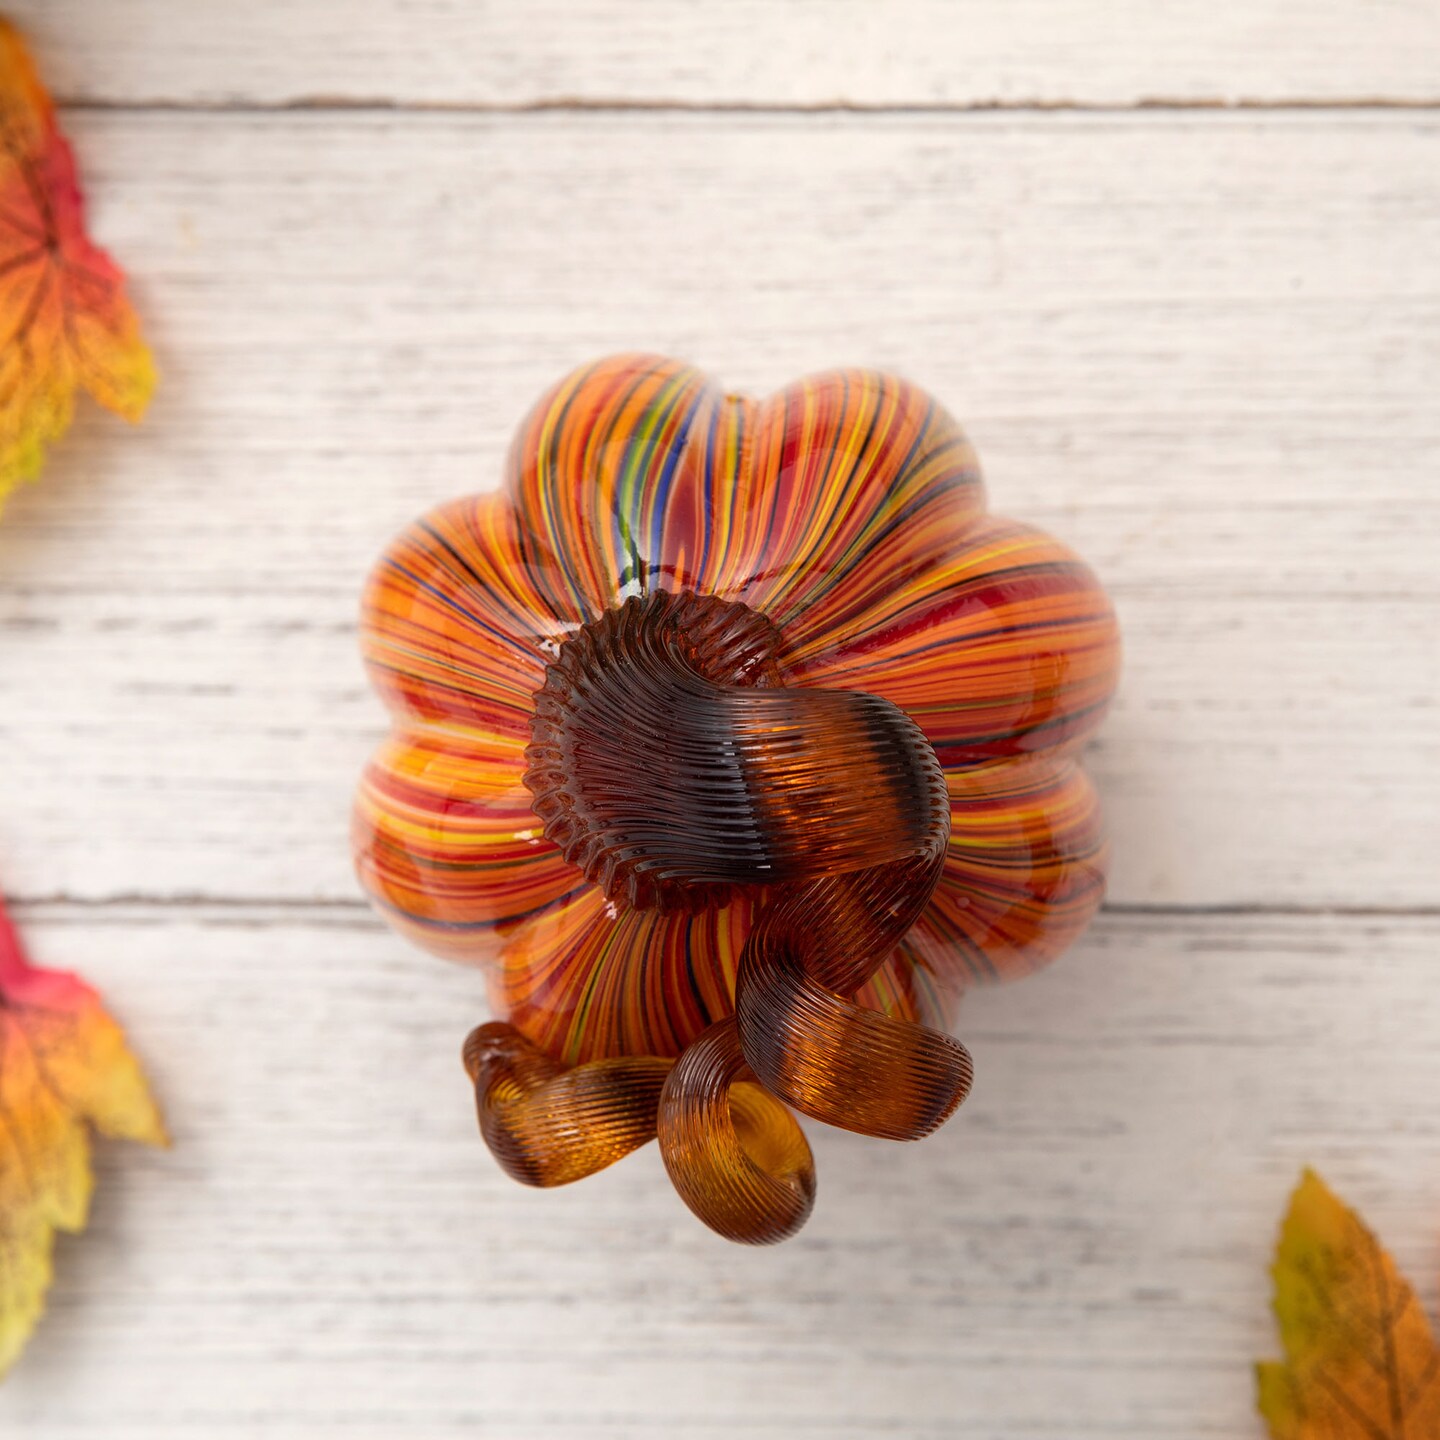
848 509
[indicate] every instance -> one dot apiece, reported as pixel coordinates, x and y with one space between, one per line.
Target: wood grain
1205 353
1081 1252
743 52
1203 347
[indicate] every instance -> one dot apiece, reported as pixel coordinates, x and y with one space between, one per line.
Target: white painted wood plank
1081 1252
1206 352
742 52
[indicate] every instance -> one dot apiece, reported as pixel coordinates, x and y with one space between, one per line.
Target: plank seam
1157 105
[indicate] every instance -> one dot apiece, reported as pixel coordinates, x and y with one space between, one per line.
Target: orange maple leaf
63 1066
1361 1362
65 323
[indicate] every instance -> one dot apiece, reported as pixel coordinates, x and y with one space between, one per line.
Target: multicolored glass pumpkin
737 739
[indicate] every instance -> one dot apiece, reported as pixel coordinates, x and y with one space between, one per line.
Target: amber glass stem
671 764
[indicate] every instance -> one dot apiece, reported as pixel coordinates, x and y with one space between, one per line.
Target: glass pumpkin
736 739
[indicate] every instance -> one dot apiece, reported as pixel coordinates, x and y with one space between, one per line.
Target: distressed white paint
738 52
1203 348
1081 1252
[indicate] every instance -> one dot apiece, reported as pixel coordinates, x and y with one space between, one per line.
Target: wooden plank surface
1082 1252
1204 353
1201 347
741 52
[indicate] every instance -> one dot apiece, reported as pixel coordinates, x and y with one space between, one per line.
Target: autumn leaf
64 1067
65 323
1360 1361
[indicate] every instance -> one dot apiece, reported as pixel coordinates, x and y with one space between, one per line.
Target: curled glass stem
549 1125
672 765
808 1041
733 1151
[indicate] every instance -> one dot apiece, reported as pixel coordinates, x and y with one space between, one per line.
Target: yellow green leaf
1360 1360
64 1067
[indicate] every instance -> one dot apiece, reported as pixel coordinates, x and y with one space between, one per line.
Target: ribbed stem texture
671 764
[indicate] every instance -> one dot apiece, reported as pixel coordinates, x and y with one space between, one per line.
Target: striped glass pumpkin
735 731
